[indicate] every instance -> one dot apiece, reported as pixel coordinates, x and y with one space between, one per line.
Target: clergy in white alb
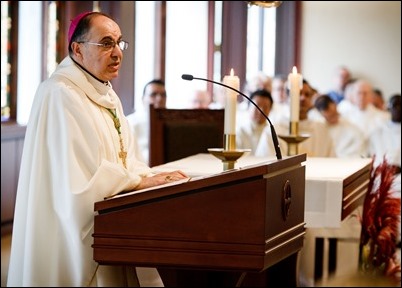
250 128
70 161
318 144
78 150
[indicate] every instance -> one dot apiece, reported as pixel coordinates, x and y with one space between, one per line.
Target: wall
12 142
365 36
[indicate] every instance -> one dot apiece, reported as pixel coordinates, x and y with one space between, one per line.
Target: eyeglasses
108 45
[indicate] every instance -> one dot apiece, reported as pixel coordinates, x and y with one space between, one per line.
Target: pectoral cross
116 121
123 154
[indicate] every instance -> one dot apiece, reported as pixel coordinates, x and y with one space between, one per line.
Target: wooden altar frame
241 221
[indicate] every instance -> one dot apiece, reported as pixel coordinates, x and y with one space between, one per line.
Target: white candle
295 83
230 102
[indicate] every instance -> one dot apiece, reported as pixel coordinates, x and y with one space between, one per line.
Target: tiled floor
5 257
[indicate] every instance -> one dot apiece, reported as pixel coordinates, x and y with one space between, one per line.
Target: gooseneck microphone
273 132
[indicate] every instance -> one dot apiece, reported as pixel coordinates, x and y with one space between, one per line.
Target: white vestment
70 161
318 144
139 126
366 120
349 141
386 141
248 134
280 112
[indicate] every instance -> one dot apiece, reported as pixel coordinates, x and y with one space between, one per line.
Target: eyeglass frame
106 43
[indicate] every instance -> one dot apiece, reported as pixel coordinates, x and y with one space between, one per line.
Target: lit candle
295 83
230 102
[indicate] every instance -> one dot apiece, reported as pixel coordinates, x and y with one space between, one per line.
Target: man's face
331 114
265 105
101 62
155 94
306 100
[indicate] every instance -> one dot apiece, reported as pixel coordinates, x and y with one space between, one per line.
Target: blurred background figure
347 138
260 81
312 111
362 112
280 108
249 130
200 99
319 143
385 140
154 93
218 98
377 99
347 105
341 78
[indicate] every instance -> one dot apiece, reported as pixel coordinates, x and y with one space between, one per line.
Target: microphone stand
230 154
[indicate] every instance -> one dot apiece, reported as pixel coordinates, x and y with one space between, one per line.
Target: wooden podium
225 229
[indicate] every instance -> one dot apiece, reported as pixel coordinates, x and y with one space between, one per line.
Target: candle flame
294 70
231 72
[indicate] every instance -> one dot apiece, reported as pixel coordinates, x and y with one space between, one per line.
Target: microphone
273 132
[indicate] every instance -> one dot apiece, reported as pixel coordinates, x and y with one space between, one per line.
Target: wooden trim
211 45
14 59
160 40
287 37
234 39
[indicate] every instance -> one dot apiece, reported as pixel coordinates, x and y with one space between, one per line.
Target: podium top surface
203 170
335 187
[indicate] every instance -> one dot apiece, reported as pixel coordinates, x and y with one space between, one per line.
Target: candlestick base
228 157
293 142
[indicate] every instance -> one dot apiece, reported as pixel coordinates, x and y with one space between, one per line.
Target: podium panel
242 220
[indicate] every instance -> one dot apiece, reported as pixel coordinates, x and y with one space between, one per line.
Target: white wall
365 36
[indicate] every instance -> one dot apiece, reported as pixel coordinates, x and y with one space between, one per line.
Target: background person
280 109
347 138
319 143
154 93
249 130
341 77
200 99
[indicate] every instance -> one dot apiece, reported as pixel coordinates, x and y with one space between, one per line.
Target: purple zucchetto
74 24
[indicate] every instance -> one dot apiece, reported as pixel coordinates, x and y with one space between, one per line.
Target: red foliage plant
380 222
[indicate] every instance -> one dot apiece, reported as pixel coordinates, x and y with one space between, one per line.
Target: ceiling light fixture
264 4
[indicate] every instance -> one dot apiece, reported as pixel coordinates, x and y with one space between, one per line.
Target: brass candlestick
294 138
229 154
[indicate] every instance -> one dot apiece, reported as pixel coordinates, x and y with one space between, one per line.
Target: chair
178 133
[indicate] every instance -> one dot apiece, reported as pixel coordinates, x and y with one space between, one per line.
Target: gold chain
117 125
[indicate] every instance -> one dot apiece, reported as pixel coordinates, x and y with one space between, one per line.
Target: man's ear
76 47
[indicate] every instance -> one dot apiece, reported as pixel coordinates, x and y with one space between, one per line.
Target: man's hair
263 93
322 102
82 29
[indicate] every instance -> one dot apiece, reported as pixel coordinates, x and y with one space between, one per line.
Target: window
186 49
144 47
261 24
187 42
5 60
30 47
